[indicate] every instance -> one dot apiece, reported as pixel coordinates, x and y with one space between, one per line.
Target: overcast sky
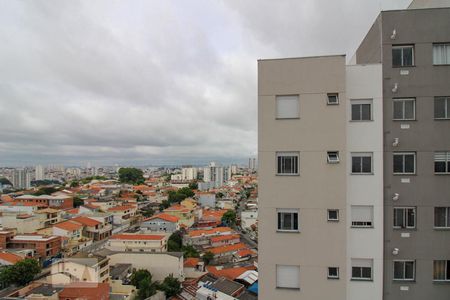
152 82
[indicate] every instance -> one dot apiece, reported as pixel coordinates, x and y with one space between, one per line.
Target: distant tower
39 172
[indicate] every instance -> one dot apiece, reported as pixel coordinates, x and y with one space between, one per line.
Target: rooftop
165 217
10 257
137 237
86 221
69 225
228 248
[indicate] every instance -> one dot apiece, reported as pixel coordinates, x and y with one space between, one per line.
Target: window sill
333 221
403 228
362 227
287 231
404 120
359 121
404 174
295 118
288 288
441 173
362 173
441 228
403 281
333 278
441 281
287 174
399 67
361 279
441 65
442 119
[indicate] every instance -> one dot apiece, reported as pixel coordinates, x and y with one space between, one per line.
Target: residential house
185 215
203 237
137 242
161 223
8 259
85 291
43 246
93 229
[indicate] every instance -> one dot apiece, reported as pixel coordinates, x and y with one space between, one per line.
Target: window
442 108
404 109
361 110
442 162
288 277
287 163
404 269
362 269
441 54
403 56
333 215
404 163
333 157
404 217
287 107
287 220
332 99
362 216
442 217
362 163
333 273
441 270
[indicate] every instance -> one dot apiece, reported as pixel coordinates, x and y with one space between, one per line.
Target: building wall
159 225
320 186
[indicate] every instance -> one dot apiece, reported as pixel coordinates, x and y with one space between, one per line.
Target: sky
153 82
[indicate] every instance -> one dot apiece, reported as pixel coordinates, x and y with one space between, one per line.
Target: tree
165 204
21 273
131 175
77 201
46 190
219 195
229 218
208 257
142 280
5 181
193 185
175 242
74 183
186 191
190 251
138 276
171 286
148 213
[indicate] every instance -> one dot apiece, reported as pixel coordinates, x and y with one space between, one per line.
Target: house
85 291
249 218
23 223
57 201
93 229
207 199
228 250
123 215
185 215
137 242
230 273
161 223
72 233
222 240
49 216
243 255
44 246
203 237
8 259
211 218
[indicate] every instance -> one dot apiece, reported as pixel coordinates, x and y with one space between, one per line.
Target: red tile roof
245 252
191 262
227 248
121 208
69 225
165 217
10 257
230 273
137 237
86 221
227 237
85 291
214 231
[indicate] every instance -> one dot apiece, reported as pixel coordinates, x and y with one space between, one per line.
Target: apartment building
354 162
44 246
138 242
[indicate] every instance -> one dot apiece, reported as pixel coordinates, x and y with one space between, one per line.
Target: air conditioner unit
394 34
395 142
395 197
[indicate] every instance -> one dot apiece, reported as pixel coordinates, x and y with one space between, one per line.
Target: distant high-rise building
214 173
21 179
188 173
233 169
252 163
39 172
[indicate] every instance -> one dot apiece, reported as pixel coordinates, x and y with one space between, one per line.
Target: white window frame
446 50
447 217
288 154
333 157
337 215
358 263
329 276
288 211
361 102
362 224
404 153
404 261
446 107
279 282
361 155
332 95
447 265
278 113
405 216
442 156
403 101
402 47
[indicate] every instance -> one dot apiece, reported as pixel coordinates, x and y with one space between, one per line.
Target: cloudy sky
152 82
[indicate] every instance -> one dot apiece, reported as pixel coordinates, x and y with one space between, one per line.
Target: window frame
404 153
280 154
446 271
403 100
361 155
353 225
446 162
404 261
333 153
332 95
333 276
277 275
445 44
280 222
277 113
361 102
446 215
361 271
337 215
402 47
404 217
446 107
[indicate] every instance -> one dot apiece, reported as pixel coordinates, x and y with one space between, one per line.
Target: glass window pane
448 107
447 275
409 270
367 164
295 221
439 166
365 112
366 272
409 110
287 221
439 269
439 216
398 270
439 108
356 272
396 57
398 110
279 165
409 163
411 218
279 221
356 164
398 217
398 163
356 112
408 56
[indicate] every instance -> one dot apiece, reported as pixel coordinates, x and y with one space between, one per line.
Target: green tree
175 197
77 201
46 190
74 183
186 191
229 218
208 257
138 276
190 251
165 204
148 212
142 280
175 242
5 181
131 175
171 286
219 195
193 185
21 273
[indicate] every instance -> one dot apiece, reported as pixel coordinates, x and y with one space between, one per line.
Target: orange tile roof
165 217
85 291
227 248
225 237
245 252
120 208
177 207
230 273
86 221
137 237
213 231
6 198
69 225
91 206
191 262
10 257
73 211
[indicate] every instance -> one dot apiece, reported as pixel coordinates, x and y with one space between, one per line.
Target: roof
10 257
138 237
213 231
178 207
165 217
191 262
120 208
227 248
245 252
227 286
227 237
86 221
249 276
230 273
69 225
86 291
73 211
34 237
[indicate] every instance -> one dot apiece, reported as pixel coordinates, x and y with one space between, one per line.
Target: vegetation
229 218
74 183
208 257
90 178
46 190
131 175
142 280
219 195
148 212
180 195
77 201
165 204
20 273
189 251
175 242
171 286
193 185
5 181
